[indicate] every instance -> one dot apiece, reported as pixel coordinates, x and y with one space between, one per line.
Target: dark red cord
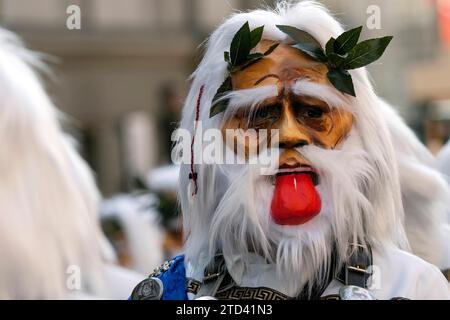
193 174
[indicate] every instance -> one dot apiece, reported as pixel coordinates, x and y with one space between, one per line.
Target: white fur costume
49 229
360 187
425 193
442 163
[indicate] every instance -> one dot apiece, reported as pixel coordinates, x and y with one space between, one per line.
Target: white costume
393 266
442 163
235 248
50 241
403 275
425 194
139 220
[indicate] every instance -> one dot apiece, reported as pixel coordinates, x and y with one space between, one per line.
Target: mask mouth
297 169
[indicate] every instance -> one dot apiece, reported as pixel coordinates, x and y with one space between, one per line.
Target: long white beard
242 225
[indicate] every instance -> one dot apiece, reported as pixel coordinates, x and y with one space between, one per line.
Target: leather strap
446 274
355 272
214 274
218 280
318 288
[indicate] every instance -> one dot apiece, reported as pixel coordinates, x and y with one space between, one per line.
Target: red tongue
295 200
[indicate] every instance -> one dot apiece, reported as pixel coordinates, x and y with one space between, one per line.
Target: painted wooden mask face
301 120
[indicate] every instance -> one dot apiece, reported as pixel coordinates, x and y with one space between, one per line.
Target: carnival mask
305 105
301 120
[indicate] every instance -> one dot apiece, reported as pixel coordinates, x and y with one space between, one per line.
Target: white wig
425 193
362 197
48 199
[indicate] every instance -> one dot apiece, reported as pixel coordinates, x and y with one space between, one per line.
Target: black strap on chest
214 275
357 269
355 272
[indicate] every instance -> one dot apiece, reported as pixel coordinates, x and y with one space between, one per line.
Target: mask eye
265 116
307 111
262 113
314 112
267 112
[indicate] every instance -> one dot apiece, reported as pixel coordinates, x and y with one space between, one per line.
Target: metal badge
149 289
355 293
206 298
161 269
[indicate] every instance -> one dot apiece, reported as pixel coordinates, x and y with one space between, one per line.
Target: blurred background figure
425 194
163 181
443 161
145 225
50 241
121 81
131 224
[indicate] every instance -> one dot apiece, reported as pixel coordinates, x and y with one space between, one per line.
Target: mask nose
292 133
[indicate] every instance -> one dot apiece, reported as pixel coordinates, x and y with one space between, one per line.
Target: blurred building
430 84
122 77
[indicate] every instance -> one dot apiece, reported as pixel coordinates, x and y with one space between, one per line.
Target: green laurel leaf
346 41
304 42
366 52
336 60
271 49
256 36
329 47
342 81
240 45
220 105
251 59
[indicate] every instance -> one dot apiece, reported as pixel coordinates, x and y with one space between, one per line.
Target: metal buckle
355 269
358 269
215 269
211 276
355 293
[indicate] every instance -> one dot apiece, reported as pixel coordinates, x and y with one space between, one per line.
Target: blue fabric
174 280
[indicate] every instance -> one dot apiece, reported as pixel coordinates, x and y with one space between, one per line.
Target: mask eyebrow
307 88
248 98
272 75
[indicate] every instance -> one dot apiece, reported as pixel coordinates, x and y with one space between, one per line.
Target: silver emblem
161 269
355 293
206 298
149 289
166 266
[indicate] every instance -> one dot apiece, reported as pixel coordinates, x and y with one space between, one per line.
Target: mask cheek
333 131
244 142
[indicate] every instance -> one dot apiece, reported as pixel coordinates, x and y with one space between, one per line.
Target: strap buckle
355 270
215 269
211 276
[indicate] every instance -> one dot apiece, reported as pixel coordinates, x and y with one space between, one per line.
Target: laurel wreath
340 55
